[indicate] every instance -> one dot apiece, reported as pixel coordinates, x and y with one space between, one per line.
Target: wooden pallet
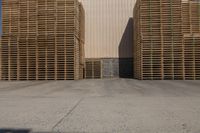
192 56
82 40
42 40
0 60
191 13
159 45
93 69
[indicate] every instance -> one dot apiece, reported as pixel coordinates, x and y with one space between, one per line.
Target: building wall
108 28
115 68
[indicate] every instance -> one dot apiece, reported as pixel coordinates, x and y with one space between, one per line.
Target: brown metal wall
108 28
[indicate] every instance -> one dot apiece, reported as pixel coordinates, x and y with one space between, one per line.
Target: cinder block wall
109 68
117 68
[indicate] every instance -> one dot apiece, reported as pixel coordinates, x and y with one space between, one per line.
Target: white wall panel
106 25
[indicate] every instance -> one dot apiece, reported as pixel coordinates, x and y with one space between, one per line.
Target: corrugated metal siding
108 28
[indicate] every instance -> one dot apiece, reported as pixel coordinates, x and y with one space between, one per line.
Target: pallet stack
192 56
160 44
191 38
81 40
42 40
93 69
0 59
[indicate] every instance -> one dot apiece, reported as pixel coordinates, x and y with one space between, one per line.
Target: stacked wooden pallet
42 40
93 69
192 56
0 60
137 53
82 40
160 46
191 38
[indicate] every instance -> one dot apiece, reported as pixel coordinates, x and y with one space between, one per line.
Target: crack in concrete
66 115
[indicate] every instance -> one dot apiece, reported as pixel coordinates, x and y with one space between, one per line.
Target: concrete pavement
101 106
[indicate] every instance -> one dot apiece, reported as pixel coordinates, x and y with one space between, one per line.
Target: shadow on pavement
8 130
15 130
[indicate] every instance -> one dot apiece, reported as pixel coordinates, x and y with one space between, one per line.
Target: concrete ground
101 106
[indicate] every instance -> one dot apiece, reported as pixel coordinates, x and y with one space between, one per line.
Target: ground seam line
25 86
70 111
